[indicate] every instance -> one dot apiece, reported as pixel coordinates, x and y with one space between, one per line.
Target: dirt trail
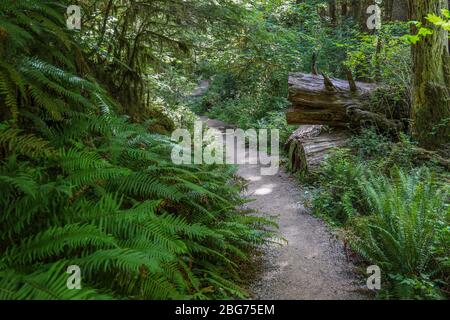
312 264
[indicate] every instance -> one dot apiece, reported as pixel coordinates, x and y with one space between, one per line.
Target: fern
80 184
402 231
47 283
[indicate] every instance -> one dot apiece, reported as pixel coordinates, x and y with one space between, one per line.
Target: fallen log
322 100
309 144
422 156
359 118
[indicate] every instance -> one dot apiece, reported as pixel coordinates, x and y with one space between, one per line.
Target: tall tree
400 10
431 79
344 8
356 9
130 40
332 11
388 9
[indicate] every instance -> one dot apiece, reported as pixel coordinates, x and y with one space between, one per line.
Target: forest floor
311 263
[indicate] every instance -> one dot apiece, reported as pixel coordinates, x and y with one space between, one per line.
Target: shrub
406 232
381 153
395 220
401 154
369 144
340 187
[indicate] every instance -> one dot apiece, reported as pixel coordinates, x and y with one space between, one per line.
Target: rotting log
422 155
318 101
323 100
309 144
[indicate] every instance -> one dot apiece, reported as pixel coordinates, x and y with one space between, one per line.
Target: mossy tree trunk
431 79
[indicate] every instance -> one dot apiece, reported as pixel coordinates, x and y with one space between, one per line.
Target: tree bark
400 10
332 11
308 146
355 9
388 9
335 102
431 79
344 8
358 10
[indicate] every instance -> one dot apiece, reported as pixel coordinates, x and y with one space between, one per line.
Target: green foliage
401 154
391 218
249 87
369 144
408 219
439 21
384 58
142 51
340 189
250 72
443 22
81 185
85 171
380 153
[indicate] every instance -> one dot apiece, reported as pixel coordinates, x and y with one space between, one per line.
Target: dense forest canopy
86 176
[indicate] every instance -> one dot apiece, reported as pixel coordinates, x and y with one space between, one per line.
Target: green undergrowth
81 184
393 211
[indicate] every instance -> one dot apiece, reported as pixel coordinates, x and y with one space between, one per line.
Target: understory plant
406 233
82 185
393 213
339 189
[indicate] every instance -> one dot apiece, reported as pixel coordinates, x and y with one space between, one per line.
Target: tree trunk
431 79
359 12
355 9
388 9
344 8
332 11
400 10
317 99
308 146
